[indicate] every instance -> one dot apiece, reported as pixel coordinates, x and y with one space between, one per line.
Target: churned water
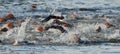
91 14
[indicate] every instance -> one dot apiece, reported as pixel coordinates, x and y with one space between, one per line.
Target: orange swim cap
10 25
10 16
2 20
107 24
39 29
33 6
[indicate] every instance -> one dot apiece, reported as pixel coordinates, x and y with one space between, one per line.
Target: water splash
21 30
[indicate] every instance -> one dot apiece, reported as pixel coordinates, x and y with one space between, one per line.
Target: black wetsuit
4 29
57 27
52 17
61 23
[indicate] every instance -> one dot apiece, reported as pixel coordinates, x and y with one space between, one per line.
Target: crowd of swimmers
56 24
